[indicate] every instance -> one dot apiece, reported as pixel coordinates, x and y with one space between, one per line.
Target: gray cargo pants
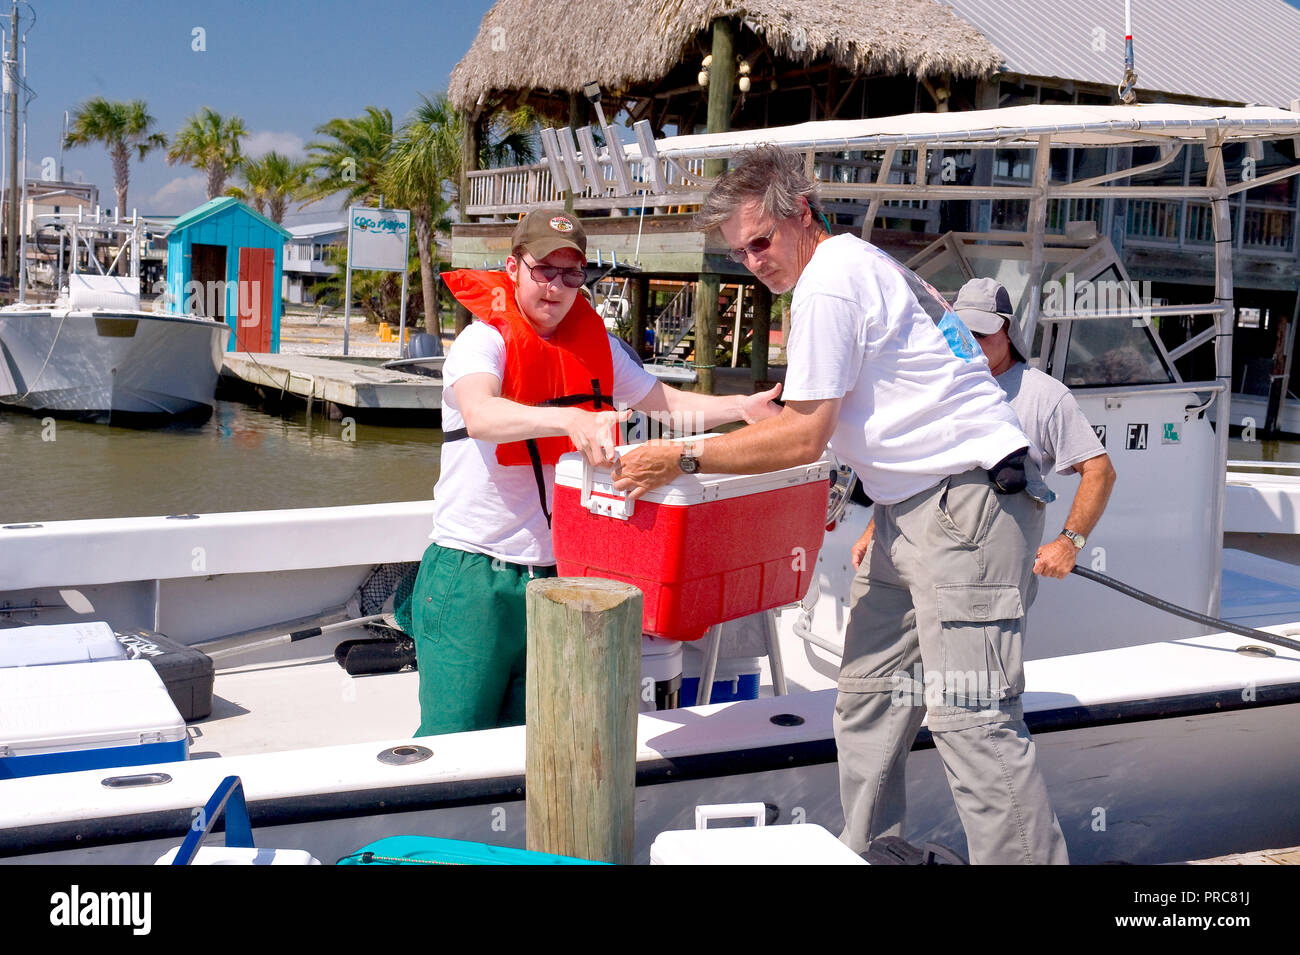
937 612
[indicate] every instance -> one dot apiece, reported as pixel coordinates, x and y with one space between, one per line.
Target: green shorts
466 615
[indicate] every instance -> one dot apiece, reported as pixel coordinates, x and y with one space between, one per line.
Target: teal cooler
427 850
67 717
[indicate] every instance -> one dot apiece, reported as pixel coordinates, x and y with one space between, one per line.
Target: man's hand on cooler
646 467
594 434
1056 558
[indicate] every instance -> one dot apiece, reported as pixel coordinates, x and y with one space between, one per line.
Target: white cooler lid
691 488
804 844
59 643
66 706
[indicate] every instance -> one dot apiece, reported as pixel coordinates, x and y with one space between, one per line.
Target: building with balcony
310 256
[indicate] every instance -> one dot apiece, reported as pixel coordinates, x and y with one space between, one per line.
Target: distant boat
95 355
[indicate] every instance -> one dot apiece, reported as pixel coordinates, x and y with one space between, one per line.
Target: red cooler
704 549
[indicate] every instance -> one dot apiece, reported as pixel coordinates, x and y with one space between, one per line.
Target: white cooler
71 716
759 844
59 643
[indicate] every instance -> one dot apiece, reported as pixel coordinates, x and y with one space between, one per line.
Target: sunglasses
757 247
546 274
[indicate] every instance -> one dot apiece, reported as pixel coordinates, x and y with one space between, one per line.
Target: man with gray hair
880 368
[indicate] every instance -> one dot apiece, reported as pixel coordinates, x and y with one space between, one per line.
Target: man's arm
798 435
689 411
489 417
1097 476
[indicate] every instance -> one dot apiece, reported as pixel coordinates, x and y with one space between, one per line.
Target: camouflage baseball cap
544 231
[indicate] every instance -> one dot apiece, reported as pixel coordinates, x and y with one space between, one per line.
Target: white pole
347 285
22 216
401 322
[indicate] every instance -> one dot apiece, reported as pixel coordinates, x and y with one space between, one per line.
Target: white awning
1015 126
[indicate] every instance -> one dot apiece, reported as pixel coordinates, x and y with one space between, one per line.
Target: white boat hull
104 364
1147 791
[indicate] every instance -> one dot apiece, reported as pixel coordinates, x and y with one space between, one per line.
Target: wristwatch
1078 540
688 462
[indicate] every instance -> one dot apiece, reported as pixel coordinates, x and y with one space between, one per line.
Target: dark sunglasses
757 247
545 274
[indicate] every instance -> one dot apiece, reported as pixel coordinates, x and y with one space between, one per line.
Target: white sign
379 238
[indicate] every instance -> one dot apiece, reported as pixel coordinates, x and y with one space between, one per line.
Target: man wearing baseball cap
536 376
1060 435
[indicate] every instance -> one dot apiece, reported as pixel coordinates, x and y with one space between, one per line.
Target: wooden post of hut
758 351
638 306
581 686
722 78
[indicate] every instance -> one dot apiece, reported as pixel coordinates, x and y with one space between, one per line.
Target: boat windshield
1078 338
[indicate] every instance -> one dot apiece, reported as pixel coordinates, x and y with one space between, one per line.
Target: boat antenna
1126 94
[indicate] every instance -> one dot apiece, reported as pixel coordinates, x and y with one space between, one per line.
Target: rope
57 332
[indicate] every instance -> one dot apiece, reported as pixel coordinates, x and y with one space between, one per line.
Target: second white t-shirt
918 403
480 505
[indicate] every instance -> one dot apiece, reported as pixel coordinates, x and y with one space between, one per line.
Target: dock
350 385
1289 856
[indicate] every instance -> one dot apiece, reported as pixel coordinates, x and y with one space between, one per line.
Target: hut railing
513 190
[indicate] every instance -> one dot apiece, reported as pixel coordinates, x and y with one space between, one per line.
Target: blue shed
224 261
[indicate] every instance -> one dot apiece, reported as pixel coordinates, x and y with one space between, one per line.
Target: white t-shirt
918 403
482 506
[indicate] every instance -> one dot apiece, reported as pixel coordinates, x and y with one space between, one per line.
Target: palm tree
210 143
121 127
424 162
349 160
271 179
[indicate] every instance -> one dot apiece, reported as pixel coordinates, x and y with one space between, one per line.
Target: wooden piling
583 674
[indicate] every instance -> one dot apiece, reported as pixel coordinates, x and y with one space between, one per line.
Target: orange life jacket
571 368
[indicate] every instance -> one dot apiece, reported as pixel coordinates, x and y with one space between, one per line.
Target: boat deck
296 696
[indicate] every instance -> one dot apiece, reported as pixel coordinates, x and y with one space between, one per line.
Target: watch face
688 464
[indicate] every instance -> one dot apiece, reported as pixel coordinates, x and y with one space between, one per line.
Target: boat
94 354
1159 742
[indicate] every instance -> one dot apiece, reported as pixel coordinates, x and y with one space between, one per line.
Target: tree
210 143
121 127
423 163
271 180
350 157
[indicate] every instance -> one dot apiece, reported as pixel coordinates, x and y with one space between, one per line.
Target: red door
256 278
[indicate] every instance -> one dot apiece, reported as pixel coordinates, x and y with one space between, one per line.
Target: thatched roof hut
543 50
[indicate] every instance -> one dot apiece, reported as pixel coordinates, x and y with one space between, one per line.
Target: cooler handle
619 508
732 810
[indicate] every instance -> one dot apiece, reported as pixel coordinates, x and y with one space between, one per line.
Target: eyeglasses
546 274
757 247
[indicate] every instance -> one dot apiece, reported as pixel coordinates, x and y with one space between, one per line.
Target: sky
283 66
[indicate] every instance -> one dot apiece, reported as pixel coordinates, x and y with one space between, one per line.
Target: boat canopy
1013 126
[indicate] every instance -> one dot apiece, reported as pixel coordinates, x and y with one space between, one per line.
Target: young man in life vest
537 375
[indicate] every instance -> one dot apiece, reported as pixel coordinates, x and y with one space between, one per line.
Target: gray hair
769 174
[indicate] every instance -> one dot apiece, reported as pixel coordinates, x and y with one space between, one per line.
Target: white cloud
288 144
178 196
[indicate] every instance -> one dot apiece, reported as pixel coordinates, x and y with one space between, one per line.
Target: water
241 459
